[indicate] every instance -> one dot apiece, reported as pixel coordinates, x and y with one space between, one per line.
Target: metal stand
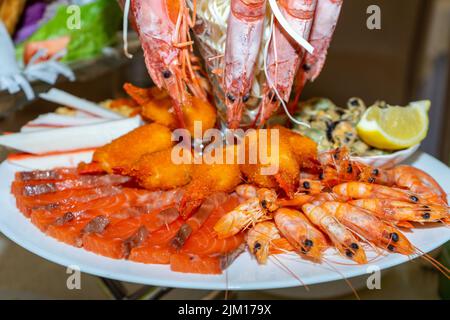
117 290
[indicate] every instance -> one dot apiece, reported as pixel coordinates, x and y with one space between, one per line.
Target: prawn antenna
344 278
285 268
439 266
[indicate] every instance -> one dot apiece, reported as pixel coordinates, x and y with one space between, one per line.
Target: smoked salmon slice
156 248
104 215
205 242
195 222
109 204
117 240
55 174
189 263
83 182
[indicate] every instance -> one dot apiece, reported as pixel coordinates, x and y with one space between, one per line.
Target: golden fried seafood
288 172
157 171
199 110
159 111
157 106
304 149
208 179
122 153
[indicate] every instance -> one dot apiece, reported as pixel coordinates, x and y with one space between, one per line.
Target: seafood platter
163 186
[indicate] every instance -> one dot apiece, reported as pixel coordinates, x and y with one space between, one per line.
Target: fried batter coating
122 153
208 179
161 111
199 110
157 171
304 149
287 175
143 95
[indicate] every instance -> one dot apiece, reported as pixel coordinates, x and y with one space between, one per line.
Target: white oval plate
243 274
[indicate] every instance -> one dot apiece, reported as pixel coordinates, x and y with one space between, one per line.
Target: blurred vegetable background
99 23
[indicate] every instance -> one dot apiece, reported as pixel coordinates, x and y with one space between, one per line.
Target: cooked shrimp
362 190
409 177
163 28
342 238
260 239
244 36
247 214
400 212
300 199
246 191
285 55
369 227
325 20
300 233
418 182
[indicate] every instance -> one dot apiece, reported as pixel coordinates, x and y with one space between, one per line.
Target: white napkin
14 79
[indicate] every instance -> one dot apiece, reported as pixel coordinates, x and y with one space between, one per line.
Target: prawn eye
231 97
349 169
349 253
414 198
306 185
264 204
246 97
308 243
166 74
391 248
371 180
354 246
306 67
375 172
256 247
426 215
394 237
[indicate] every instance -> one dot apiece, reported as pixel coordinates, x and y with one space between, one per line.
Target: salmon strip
189 263
115 241
43 218
205 241
156 248
55 174
35 188
194 222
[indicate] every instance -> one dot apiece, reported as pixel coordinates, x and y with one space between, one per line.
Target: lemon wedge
394 127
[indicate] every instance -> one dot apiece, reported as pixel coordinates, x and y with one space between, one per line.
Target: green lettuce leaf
100 21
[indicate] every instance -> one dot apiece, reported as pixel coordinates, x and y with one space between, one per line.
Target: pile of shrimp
346 205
